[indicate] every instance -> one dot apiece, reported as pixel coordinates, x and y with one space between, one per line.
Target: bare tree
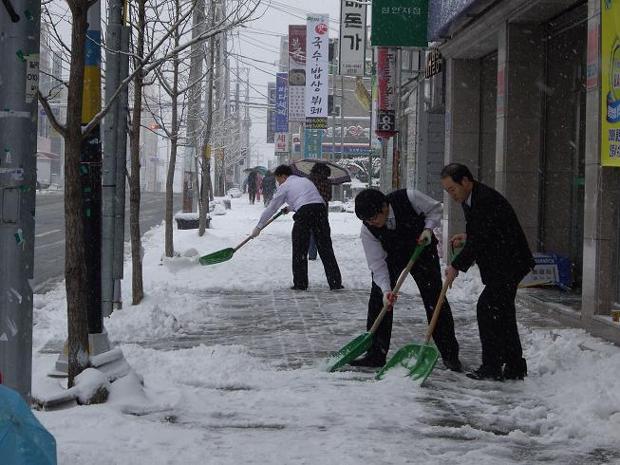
74 133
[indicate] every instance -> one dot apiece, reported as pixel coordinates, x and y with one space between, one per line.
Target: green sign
399 23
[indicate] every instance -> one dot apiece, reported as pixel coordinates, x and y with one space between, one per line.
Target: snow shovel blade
417 360
217 257
349 352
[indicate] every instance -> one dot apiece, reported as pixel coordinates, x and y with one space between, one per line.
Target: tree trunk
206 149
75 257
169 241
137 287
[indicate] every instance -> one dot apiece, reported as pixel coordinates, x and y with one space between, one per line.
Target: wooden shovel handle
436 312
249 238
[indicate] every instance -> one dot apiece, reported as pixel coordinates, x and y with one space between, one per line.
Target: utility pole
193 111
247 123
90 172
19 53
114 130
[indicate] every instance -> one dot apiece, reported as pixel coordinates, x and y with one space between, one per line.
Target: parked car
234 192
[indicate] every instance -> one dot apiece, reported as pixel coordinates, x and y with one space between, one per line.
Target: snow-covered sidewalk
232 367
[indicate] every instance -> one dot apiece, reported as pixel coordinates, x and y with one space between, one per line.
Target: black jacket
400 243
495 239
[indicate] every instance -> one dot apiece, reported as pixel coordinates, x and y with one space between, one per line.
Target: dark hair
321 169
283 170
368 203
457 172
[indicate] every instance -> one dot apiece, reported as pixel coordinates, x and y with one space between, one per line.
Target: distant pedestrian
302 197
259 186
269 187
393 225
494 240
252 186
319 175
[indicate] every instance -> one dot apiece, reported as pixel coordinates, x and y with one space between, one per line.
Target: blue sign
281 102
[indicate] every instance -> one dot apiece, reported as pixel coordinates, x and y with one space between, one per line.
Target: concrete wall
488 119
462 138
518 140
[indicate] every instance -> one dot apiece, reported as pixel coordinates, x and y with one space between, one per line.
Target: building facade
520 104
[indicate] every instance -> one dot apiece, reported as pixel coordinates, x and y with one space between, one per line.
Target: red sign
386 87
321 28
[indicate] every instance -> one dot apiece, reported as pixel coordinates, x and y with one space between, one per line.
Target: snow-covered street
232 363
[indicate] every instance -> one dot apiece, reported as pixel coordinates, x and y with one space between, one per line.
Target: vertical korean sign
317 72
271 111
281 102
281 110
296 73
352 55
386 90
610 83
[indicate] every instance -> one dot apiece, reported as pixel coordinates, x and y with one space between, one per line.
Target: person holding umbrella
302 197
495 240
319 175
392 226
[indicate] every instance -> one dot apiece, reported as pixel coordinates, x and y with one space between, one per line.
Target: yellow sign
610 83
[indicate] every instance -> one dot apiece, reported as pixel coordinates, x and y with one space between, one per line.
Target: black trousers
252 195
427 274
497 323
313 218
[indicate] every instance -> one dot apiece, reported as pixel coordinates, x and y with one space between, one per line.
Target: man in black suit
495 240
393 225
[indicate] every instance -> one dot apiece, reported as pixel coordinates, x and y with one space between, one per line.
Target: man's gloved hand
389 298
285 211
451 274
255 232
425 237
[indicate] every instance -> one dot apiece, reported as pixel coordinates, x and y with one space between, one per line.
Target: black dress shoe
453 365
335 288
517 370
369 360
298 288
486 373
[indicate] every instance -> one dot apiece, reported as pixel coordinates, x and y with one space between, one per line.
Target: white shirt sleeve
431 208
277 201
375 257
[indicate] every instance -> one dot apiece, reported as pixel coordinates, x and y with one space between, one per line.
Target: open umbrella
339 174
259 169
22 438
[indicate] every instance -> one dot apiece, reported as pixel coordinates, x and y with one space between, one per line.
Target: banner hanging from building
610 83
352 55
271 111
281 102
296 73
386 90
281 143
399 23
317 71
313 143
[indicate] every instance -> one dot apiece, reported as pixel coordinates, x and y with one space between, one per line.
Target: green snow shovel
418 360
226 254
362 343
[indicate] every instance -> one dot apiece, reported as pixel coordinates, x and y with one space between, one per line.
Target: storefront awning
441 15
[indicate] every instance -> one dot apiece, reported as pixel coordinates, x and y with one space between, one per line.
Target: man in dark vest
392 227
495 240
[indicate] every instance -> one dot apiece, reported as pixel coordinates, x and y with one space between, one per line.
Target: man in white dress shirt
392 226
302 197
